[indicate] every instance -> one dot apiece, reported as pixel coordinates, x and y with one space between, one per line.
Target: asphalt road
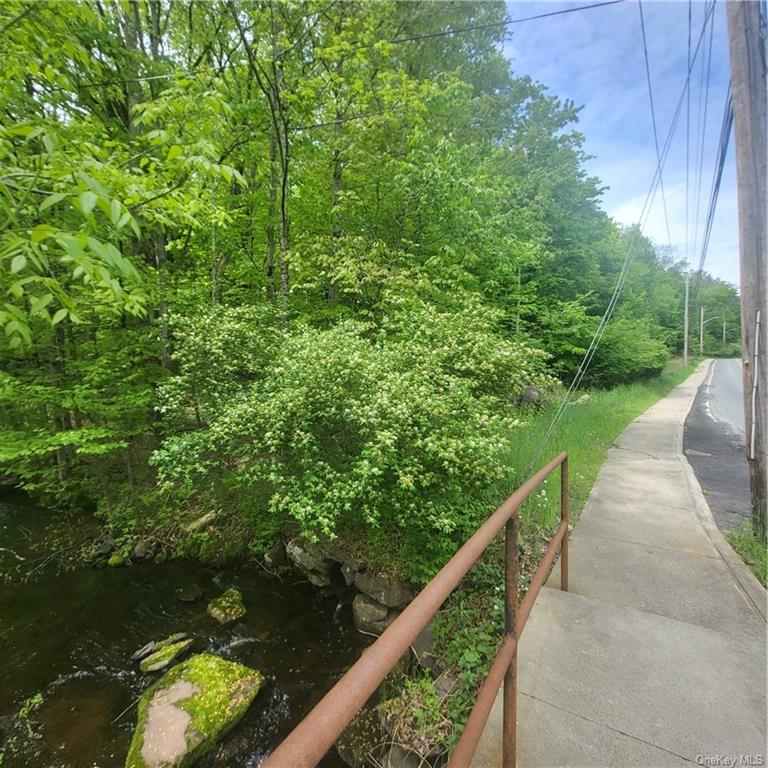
714 444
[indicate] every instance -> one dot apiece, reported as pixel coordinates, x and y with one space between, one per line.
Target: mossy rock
189 710
361 743
164 656
116 559
228 607
154 645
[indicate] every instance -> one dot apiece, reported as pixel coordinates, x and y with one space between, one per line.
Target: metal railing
317 733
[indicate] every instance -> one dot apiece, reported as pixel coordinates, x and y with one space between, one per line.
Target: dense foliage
284 261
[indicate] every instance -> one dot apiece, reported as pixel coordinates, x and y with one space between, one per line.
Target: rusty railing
317 733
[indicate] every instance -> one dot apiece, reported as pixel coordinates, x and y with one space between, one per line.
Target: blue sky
595 58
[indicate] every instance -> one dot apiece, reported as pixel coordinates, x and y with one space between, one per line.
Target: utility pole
701 329
746 41
723 330
685 321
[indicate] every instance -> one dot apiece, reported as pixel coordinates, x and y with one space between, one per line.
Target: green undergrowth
752 550
469 628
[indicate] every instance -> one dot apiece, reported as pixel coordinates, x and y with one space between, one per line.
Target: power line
653 118
722 151
642 221
494 24
393 41
700 175
681 100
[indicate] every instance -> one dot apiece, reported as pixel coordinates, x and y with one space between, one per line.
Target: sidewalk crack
609 727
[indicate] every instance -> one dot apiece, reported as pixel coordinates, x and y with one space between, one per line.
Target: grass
752 551
468 628
586 432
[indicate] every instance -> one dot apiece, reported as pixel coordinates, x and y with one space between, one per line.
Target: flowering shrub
400 430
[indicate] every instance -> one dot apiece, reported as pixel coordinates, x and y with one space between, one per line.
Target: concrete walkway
657 655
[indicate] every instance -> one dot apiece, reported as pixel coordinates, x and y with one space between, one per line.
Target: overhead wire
702 141
497 24
642 221
722 151
392 41
653 117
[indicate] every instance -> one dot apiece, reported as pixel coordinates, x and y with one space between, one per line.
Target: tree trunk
271 216
162 307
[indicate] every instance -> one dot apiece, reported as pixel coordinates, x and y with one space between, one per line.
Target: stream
69 635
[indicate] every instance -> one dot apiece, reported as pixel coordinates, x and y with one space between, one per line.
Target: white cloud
595 57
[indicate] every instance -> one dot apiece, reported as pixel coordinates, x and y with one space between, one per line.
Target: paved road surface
724 394
714 444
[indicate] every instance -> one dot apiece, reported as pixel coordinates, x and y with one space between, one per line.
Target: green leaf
40 302
18 263
41 232
157 136
70 244
88 201
173 152
59 316
56 197
115 210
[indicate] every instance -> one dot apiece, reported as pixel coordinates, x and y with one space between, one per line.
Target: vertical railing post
564 518
509 747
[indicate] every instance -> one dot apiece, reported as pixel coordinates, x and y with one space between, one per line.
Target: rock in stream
188 710
164 657
228 607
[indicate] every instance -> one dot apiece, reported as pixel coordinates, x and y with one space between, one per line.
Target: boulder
228 607
397 757
385 589
446 683
349 573
164 657
104 547
319 580
371 616
189 710
144 651
360 744
530 395
309 558
423 648
116 559
200 522
189 593
154 645
275 556
337 550
140 550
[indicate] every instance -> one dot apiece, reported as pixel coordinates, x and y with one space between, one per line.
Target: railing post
509 747
564 517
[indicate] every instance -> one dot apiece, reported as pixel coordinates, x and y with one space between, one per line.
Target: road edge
751 588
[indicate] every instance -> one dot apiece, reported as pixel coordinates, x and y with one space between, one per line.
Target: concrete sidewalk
657 655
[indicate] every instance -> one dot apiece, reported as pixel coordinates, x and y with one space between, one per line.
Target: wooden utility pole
701 330
750 114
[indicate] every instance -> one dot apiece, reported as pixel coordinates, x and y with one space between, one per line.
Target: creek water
69 635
